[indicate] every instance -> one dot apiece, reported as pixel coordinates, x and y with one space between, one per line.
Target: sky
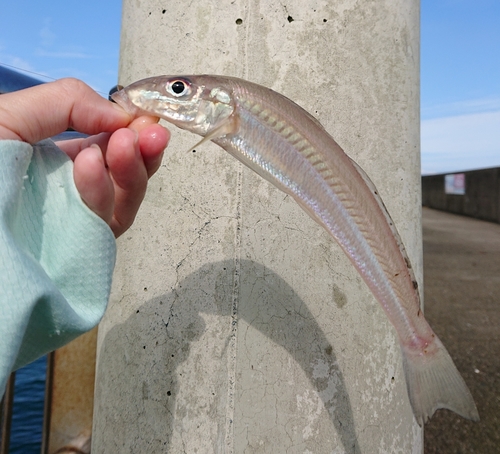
460 66
63 38
460 85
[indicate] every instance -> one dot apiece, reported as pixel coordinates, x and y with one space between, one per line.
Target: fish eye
178 87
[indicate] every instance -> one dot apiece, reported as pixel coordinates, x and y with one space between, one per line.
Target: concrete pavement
462 286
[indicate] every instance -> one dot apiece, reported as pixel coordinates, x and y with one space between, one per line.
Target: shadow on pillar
145 361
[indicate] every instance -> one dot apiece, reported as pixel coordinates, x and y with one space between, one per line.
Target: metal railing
6 414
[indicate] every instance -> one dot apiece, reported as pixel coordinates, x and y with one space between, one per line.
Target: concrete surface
462 287
236 324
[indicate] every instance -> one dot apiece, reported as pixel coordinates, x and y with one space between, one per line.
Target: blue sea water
27 417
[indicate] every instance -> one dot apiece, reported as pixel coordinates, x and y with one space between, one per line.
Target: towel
56 255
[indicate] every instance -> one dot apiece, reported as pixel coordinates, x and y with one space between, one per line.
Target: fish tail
434 382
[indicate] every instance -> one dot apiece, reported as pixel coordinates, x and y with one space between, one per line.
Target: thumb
39 112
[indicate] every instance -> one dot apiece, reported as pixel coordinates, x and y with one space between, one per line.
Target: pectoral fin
228 126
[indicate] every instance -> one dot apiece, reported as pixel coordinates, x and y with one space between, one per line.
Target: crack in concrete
232 340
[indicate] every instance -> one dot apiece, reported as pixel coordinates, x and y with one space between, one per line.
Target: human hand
113 165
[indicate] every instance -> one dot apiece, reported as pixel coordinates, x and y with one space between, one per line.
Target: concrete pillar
236 324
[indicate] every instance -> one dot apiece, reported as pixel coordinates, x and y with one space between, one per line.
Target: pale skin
111 166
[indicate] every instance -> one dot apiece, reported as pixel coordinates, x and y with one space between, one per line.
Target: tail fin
434 382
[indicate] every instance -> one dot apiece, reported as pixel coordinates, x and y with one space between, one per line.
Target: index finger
39 112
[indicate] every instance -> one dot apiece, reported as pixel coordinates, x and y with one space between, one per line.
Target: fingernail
98 153
150 119
136 143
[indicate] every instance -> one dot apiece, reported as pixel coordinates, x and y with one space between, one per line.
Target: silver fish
290 148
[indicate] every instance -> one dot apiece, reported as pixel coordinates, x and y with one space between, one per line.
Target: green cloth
56 255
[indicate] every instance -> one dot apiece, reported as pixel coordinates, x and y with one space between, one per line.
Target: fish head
199 104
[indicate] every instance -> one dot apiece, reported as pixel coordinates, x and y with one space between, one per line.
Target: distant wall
481 197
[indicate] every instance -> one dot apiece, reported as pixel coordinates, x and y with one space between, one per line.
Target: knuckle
73 85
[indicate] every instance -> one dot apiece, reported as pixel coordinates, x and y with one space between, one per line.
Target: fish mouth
121 98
